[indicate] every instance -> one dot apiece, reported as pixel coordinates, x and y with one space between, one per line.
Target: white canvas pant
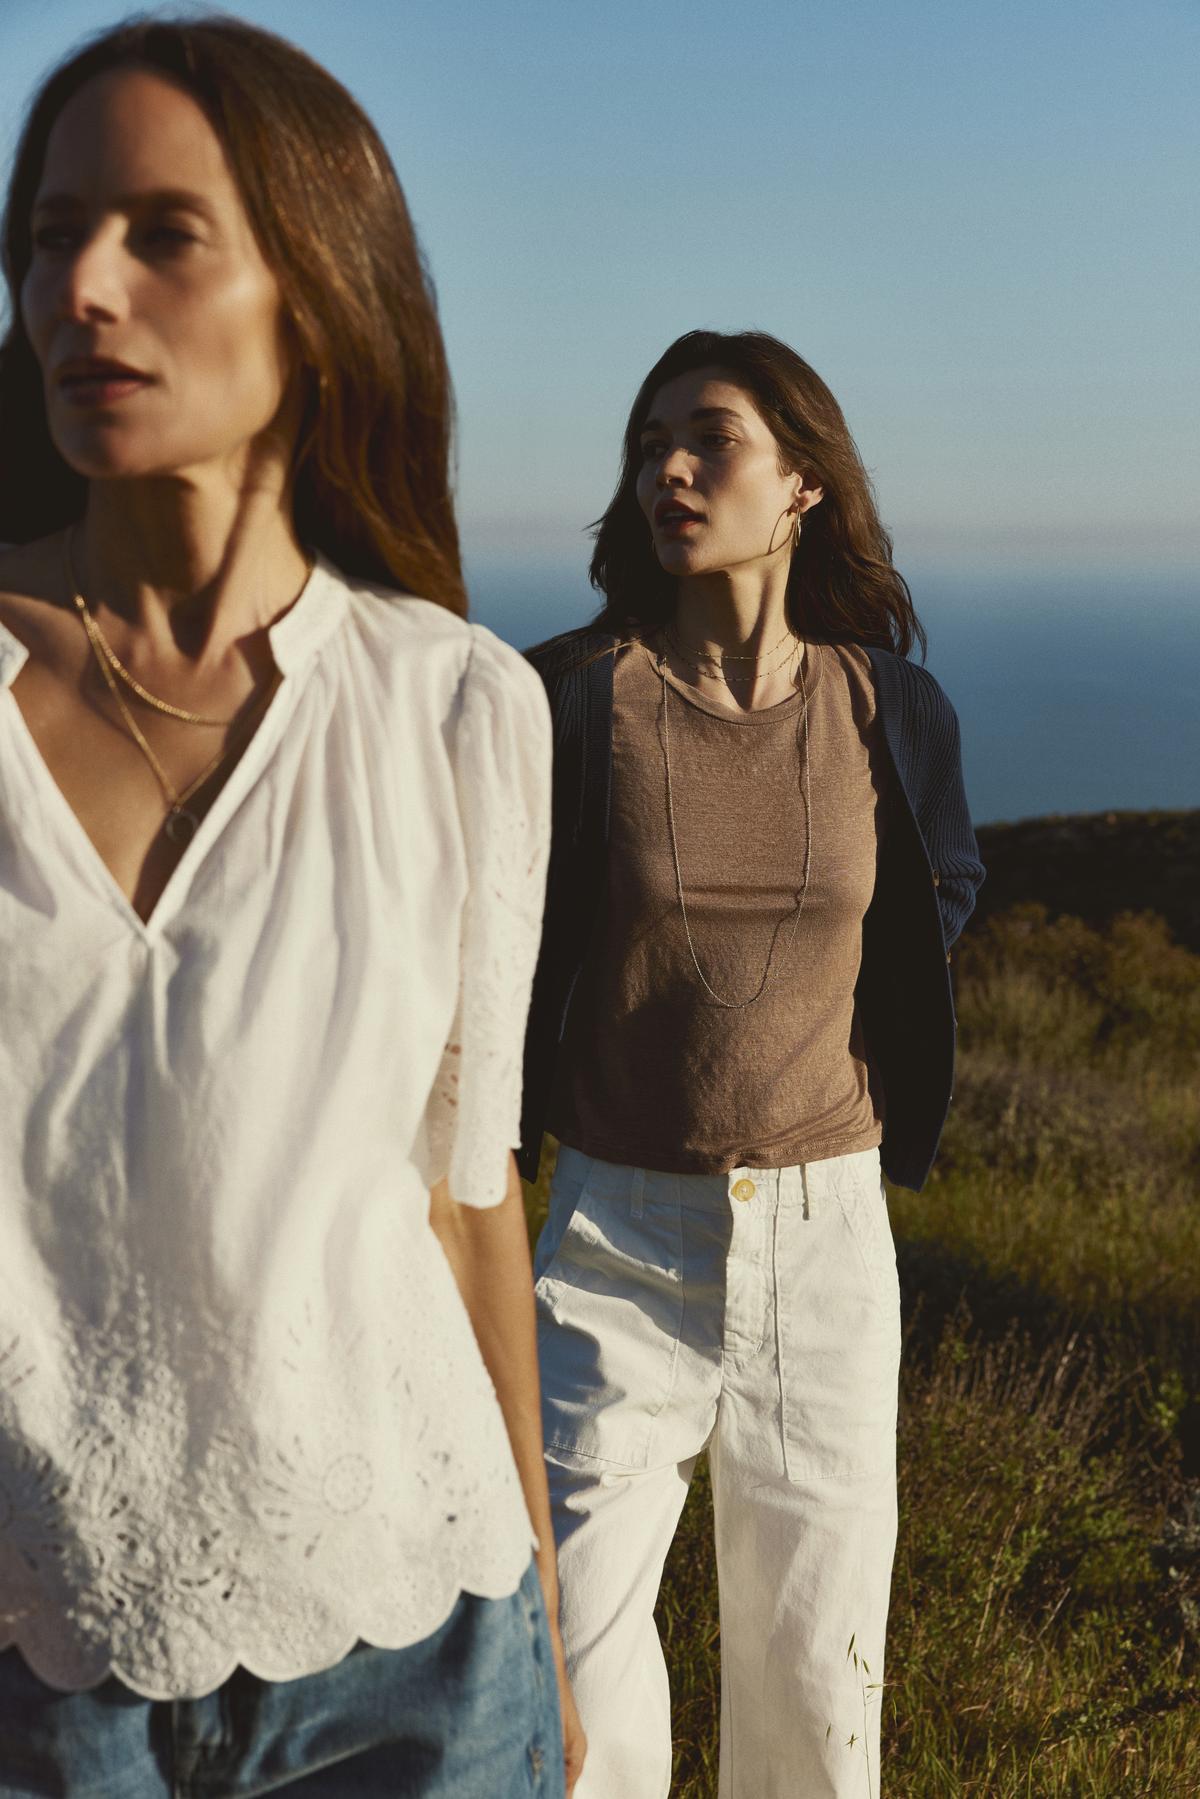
755 1315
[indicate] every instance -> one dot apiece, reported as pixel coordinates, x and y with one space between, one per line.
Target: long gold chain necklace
181 823
737 1005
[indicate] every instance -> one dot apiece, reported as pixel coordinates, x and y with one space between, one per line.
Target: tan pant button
743 1189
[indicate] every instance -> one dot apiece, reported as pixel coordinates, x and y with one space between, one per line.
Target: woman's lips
101 389
99 380
673 517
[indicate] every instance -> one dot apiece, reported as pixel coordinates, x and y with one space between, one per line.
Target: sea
1075 692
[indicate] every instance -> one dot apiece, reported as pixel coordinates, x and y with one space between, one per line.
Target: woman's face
158 326
710 483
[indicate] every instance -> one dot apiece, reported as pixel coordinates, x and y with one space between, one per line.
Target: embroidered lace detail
502 770
248 1421
156 1544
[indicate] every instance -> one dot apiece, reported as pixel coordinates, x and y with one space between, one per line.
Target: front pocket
839 1345
564 1197
610 1310
864 1207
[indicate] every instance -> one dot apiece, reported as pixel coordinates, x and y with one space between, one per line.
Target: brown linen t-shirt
652 1070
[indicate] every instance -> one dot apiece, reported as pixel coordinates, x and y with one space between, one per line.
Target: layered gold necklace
805 783
711 667
181 822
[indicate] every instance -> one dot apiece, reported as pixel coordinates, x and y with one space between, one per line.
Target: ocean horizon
1075 693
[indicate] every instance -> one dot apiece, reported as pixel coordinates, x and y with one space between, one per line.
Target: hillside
1096 865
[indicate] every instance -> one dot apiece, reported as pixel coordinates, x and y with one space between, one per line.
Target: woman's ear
806 496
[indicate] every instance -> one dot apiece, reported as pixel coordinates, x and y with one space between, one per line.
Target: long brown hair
842 586
373 460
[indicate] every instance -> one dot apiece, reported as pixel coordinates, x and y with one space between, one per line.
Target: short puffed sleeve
501 749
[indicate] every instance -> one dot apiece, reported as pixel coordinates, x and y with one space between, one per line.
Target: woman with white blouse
272 851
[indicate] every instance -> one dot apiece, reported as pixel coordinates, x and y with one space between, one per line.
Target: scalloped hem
260 1667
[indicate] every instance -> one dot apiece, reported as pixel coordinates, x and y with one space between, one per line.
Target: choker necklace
719 673
737 1005
686 649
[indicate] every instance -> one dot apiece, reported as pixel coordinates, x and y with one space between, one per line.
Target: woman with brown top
761 855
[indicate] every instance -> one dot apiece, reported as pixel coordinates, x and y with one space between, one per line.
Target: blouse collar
13 657
295 637
310 620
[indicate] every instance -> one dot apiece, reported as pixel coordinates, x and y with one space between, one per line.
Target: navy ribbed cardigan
928 873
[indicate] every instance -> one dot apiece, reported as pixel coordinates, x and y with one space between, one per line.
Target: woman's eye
55 237
170 236
651 450
718 438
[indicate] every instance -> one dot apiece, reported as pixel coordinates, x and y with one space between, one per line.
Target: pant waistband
770 1187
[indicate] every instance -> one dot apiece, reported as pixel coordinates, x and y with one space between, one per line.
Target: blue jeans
469 1713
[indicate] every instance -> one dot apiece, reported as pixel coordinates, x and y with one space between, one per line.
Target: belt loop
804 1185
636 1188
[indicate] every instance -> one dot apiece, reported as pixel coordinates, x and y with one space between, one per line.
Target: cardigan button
937 879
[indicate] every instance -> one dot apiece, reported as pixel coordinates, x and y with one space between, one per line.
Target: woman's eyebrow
701 412
56 203
179 199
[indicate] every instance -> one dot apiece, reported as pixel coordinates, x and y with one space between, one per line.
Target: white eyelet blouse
243 1416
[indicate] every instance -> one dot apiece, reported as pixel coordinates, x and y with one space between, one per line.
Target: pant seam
783 1420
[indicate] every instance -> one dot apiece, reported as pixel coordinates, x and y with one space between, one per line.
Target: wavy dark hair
842 586
372 469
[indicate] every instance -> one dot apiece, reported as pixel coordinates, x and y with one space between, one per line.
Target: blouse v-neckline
216 1149
293 638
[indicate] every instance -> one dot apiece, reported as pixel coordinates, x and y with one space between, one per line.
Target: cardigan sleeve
942 810
502 773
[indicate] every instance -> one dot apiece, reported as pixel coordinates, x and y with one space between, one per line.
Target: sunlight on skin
161 336
722 514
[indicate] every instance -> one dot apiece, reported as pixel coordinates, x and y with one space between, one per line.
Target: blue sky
979 223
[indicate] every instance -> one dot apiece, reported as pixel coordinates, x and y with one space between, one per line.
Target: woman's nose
674 467
91 285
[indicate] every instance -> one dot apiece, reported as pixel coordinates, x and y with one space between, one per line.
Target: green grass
1065 1194
1037 1644
1045 1629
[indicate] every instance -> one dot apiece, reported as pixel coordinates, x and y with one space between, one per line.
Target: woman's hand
488 1252
574 1741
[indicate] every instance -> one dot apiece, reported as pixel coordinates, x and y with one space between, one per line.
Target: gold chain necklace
718 673
103 648
725 655
180 824
737 1005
